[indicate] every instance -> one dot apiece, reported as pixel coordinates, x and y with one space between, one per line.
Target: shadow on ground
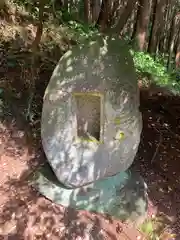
158 156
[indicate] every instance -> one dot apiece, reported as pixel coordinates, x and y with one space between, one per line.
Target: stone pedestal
123 196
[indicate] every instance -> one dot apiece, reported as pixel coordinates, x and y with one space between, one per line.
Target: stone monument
91 127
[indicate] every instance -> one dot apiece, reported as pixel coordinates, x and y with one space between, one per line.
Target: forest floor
24 214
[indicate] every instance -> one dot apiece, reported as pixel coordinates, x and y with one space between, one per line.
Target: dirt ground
158 156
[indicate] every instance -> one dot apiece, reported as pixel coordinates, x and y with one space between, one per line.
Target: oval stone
91 124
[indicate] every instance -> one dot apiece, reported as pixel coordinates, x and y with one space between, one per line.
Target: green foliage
155 71
83 30
153 229
148 229
144 63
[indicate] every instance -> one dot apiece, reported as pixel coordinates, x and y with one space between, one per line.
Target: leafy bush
156 71
146 65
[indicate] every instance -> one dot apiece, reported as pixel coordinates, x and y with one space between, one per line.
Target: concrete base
123 196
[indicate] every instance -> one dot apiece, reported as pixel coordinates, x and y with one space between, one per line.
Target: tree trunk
174 36
132 23
166 29
177 58
169 32
34 49
39 30
125 15
161 25
103 16
177 42
135 25
156 25
128 28
93 4
116 9
86 11
95 9
143 16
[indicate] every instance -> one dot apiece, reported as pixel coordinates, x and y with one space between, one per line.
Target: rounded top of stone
101 64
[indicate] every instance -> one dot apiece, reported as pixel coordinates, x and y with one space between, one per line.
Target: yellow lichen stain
120 135
117 121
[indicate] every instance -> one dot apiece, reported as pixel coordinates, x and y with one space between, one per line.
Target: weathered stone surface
123 196
105 69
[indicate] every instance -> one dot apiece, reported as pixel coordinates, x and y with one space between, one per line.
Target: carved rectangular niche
89 115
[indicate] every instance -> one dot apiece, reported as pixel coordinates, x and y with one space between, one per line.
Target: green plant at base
148 229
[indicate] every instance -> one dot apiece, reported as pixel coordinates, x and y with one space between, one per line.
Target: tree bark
34 49
95 9
132 23
166 29
103 16
39 30
116 9
135 25
143 16
169 32
174 36
128 28
177 58
124 16
156 25
86 11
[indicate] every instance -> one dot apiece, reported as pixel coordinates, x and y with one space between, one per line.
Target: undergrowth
155 71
